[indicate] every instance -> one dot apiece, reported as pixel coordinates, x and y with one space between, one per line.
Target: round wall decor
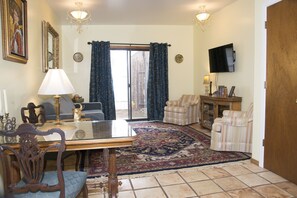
179 58
78 57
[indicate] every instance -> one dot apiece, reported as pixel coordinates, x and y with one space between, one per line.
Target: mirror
50 47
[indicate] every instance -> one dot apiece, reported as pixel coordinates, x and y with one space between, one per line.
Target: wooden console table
212 107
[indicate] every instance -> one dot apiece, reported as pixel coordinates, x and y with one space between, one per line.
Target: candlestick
5 100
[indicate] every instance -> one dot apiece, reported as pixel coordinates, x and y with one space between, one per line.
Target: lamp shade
56 82
79 14
206 79
202 16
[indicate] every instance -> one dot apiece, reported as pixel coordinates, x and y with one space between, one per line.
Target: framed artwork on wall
14 30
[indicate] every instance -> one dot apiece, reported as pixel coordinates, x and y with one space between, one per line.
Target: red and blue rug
159 146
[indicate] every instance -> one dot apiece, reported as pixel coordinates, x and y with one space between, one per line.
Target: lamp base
206 90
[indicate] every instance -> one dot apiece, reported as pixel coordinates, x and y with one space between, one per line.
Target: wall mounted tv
221 59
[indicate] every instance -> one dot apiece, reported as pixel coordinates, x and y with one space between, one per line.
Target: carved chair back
29 114
30 159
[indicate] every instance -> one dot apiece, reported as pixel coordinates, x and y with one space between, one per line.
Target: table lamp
56 83
208 84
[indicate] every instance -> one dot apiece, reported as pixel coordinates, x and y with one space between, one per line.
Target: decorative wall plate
179 58
78 57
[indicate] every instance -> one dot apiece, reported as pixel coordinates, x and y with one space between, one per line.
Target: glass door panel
130 72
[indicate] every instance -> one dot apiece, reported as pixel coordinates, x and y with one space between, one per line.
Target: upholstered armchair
233 132
183 111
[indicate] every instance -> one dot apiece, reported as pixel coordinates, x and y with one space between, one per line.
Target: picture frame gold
14 30
50 47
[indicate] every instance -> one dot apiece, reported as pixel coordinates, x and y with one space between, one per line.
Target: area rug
159 146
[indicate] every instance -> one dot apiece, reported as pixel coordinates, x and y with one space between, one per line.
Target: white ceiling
138 12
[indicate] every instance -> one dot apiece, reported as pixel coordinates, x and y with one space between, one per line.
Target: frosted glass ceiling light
202 17
79 16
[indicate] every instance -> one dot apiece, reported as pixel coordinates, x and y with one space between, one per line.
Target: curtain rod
90 43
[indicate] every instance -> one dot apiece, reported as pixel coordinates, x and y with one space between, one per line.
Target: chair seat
74 181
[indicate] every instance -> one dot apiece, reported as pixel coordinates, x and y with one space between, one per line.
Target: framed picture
14 30
231 93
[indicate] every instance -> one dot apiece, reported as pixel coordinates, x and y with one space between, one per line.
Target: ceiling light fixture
79 16
202 17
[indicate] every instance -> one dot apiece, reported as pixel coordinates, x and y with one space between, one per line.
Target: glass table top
85 130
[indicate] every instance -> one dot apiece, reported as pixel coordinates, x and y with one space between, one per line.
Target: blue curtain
157 87
101 84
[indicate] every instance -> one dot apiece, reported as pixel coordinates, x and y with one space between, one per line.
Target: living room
240 23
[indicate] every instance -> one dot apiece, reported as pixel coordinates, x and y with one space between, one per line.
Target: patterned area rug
160 146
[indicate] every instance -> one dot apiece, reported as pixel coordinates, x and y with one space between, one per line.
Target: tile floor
237 179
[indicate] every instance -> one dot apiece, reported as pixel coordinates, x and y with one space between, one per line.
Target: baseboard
253 161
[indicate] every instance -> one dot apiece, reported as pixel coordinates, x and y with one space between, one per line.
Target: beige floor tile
192 176
272 177
252 180
272 191
126 194
237 170
205 187
126 185
254 168
179 191
216 195
289 187
215 173
244 193
170 179
144 182
149 193
230 183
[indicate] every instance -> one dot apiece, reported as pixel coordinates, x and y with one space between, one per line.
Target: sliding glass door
130 72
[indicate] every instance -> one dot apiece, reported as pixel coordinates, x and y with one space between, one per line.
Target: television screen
221 59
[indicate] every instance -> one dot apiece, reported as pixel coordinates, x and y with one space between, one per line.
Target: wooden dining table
89 135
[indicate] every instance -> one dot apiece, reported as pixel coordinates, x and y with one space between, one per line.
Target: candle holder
7 124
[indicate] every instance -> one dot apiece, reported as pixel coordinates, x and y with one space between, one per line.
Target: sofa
92 110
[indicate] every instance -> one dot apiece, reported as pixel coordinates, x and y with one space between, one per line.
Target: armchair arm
91 106
172 102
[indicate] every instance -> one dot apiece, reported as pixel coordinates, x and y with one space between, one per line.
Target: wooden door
280 155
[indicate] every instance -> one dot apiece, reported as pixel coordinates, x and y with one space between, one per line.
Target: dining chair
36 115
29 157
33 114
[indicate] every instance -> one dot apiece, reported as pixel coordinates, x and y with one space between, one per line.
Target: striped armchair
233 132
183 111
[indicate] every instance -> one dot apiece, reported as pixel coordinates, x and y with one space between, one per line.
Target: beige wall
22 81
181 79
233 24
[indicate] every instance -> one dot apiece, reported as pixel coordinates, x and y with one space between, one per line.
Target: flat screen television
221 59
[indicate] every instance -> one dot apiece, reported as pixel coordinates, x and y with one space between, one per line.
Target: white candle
1 111
5 100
